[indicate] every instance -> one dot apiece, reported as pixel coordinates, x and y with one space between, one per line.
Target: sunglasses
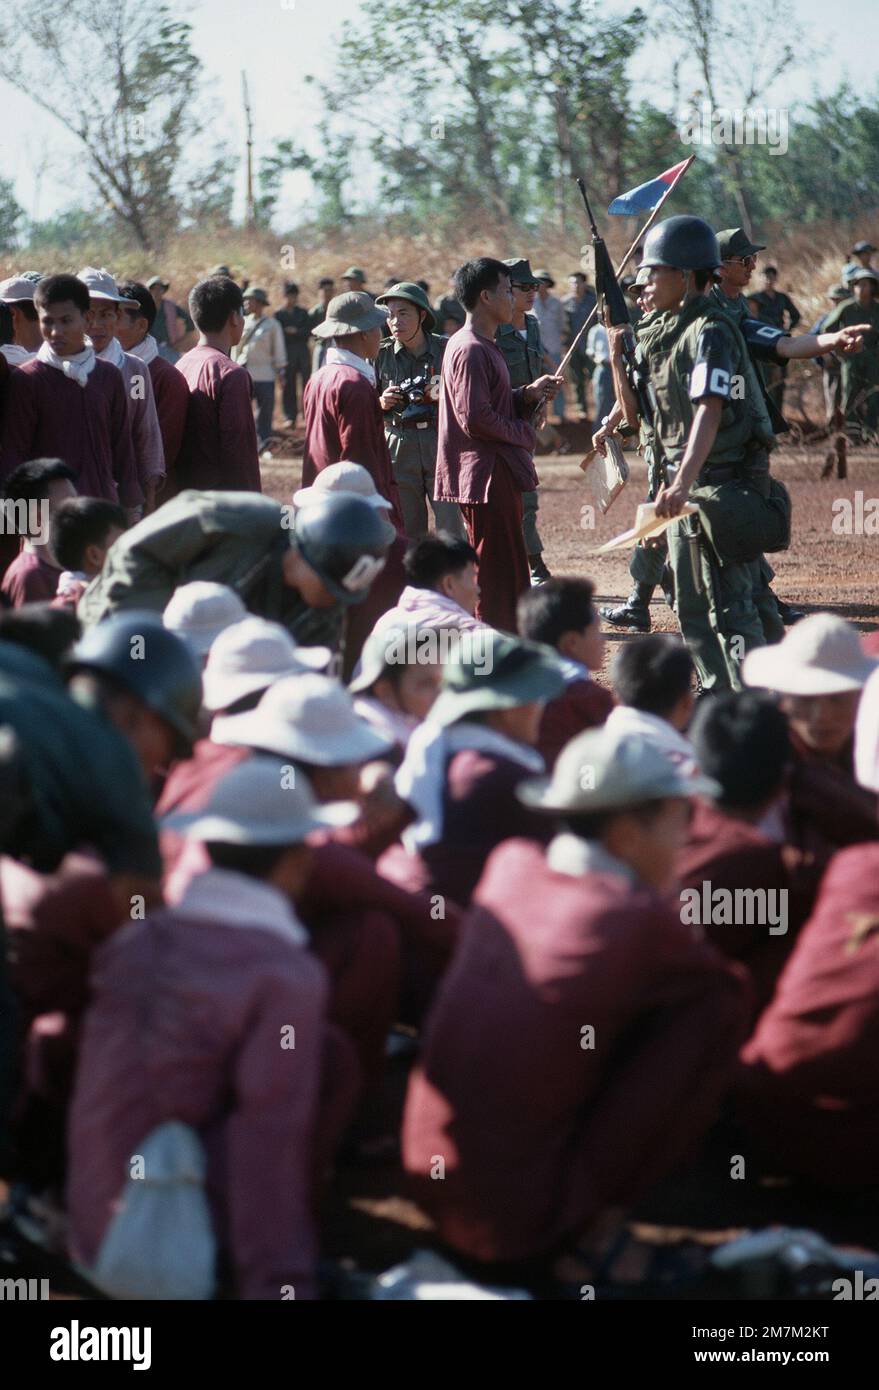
745 260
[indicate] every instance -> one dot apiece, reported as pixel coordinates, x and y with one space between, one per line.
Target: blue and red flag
645 197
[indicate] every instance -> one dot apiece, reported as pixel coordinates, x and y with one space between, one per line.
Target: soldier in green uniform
525 356
714 433
777 309
407 373
861 259
860 374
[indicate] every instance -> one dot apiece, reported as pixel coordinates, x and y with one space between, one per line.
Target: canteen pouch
744 518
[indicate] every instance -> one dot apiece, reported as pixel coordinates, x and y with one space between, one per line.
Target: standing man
172 323
830 366
578 304
524 353
296 326
169 389
551 317
354 280
17 293
773 307
861 259
343 417
486 441
219 444
860 375
262 351
407 371
325 288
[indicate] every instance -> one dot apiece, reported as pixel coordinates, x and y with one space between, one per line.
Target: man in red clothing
582 1037
219 450
343 416
560 612
485 446
33 491
169 388
65 403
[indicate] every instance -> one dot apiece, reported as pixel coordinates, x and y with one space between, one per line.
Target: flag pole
625 261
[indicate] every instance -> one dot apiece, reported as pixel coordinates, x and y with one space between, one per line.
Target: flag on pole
646 196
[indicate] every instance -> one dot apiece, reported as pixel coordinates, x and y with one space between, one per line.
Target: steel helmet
684 243
345 541
137 650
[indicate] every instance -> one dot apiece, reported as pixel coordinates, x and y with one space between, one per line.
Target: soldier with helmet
407 376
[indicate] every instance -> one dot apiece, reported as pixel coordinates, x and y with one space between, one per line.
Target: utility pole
249 208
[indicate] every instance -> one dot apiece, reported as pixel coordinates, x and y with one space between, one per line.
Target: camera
421 394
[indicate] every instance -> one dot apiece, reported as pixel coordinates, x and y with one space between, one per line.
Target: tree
11 215
122 78
272 168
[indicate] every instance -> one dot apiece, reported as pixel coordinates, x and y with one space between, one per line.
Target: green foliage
11 215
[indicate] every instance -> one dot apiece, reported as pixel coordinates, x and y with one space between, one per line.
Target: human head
864 285
83 529
738 259
393 672
681 255
354 278
770 275
409 311
561 613
355 322
655 674
291 293
217 307
485 284
41 628
523 283
33 491
63 305
157 288
501 681
447 564
17 298
577 283
340 544
105 303
135 321
741 740
255 301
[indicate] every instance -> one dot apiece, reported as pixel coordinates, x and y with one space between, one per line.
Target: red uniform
384 593
540 1125
583 704
172 402
810 1078
484 462
31 578
219 447
343 420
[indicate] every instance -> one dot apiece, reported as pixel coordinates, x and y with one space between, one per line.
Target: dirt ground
370 1224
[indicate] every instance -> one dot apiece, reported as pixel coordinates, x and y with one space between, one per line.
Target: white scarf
15 354
146 350
236 900
343 357
421 777
113 353
569 854
78 367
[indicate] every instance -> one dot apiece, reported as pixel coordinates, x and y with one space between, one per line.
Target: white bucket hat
101 285
17 290
200 611
345 477
601 770
822 655
258 803
308 717
251 655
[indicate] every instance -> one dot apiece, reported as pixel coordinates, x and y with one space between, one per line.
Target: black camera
421 394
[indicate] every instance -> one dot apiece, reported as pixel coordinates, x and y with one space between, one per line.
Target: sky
278 41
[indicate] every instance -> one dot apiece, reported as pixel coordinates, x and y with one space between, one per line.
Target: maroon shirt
344 421
30 579
538 1133
478 423
50 416
172 403
583 704
219 448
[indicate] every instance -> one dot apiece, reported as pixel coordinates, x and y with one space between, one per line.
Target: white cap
604 770
308 717
867 736
101 285
249 656
259 803
200 611
821 655
342 477
17 290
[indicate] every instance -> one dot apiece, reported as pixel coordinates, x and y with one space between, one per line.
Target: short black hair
56 288
423 285
212 301
80 522
291 287
26 308
652 673
432 557
577 275
133 289
560 605
742 740
48 631
473 277
29 482
769 270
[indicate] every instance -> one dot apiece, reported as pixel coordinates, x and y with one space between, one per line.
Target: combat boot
634 614
539 570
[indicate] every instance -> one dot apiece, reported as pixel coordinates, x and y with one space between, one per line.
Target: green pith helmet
683 243
345 542
406 289
137 651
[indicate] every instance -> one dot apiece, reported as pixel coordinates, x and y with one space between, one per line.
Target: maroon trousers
494 529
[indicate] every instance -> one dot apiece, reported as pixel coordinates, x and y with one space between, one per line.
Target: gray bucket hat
256 804
351 312
601 770
497 672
